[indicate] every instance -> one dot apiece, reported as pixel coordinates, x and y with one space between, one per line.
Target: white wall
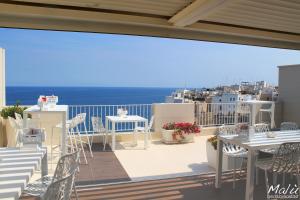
176 112
289 92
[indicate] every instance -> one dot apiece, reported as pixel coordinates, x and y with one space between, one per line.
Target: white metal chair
76 143
143 129
66 166
261 128
60 189
79 134
288 126
231 150
19 119
286 160
98 130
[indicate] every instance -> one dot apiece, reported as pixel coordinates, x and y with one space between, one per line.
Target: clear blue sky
50 58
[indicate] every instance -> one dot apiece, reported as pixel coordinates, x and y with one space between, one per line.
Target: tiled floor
164 161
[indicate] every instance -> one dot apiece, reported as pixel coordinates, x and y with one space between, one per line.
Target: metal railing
215 114
143 110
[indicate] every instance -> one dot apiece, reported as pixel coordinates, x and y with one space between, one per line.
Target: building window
220 100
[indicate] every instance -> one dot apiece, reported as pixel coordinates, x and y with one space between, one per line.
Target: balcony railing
143 110
206 114
214 114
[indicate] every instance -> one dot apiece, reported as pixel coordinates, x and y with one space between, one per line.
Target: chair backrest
261 128
151 122
227 130
81 117
285 126
19 119
67 164
287 158
60 189
97 124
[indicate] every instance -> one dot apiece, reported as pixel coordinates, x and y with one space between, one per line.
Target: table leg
113 135
44 165
146 144
219 163
250 175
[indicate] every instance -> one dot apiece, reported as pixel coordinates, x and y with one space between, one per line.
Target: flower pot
167 137
9 134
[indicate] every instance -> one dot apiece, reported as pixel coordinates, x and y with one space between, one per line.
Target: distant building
179 96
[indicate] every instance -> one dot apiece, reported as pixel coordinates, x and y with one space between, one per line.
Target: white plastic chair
231 150
143 129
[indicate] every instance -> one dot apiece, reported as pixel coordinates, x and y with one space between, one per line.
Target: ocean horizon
89 95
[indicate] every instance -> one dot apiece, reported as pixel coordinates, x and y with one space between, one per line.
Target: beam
197 11
32 17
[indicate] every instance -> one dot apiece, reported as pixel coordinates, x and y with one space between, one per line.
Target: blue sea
88 95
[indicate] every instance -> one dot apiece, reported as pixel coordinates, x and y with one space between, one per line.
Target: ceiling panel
265 14
155 7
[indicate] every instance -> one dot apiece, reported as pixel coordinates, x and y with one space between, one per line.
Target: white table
17 165
58 109
257 142
128 119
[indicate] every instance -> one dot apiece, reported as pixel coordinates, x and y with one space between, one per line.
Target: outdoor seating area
130 158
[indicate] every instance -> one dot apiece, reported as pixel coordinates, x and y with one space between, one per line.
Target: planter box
167 137
227 161
9 134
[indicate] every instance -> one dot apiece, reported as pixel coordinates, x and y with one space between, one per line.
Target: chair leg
266 180
75 191
81 144
88 140
256 172
90 146
105 140
234 172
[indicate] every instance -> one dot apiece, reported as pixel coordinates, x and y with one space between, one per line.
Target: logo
283 192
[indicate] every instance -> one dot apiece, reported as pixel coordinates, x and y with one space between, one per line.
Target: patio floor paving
162 160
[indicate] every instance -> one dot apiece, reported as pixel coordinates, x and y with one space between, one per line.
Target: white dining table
17 166
62 110
257 142
113 120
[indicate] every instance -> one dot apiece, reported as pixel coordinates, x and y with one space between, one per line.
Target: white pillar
2 78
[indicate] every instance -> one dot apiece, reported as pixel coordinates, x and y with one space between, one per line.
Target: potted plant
173 133
7 138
